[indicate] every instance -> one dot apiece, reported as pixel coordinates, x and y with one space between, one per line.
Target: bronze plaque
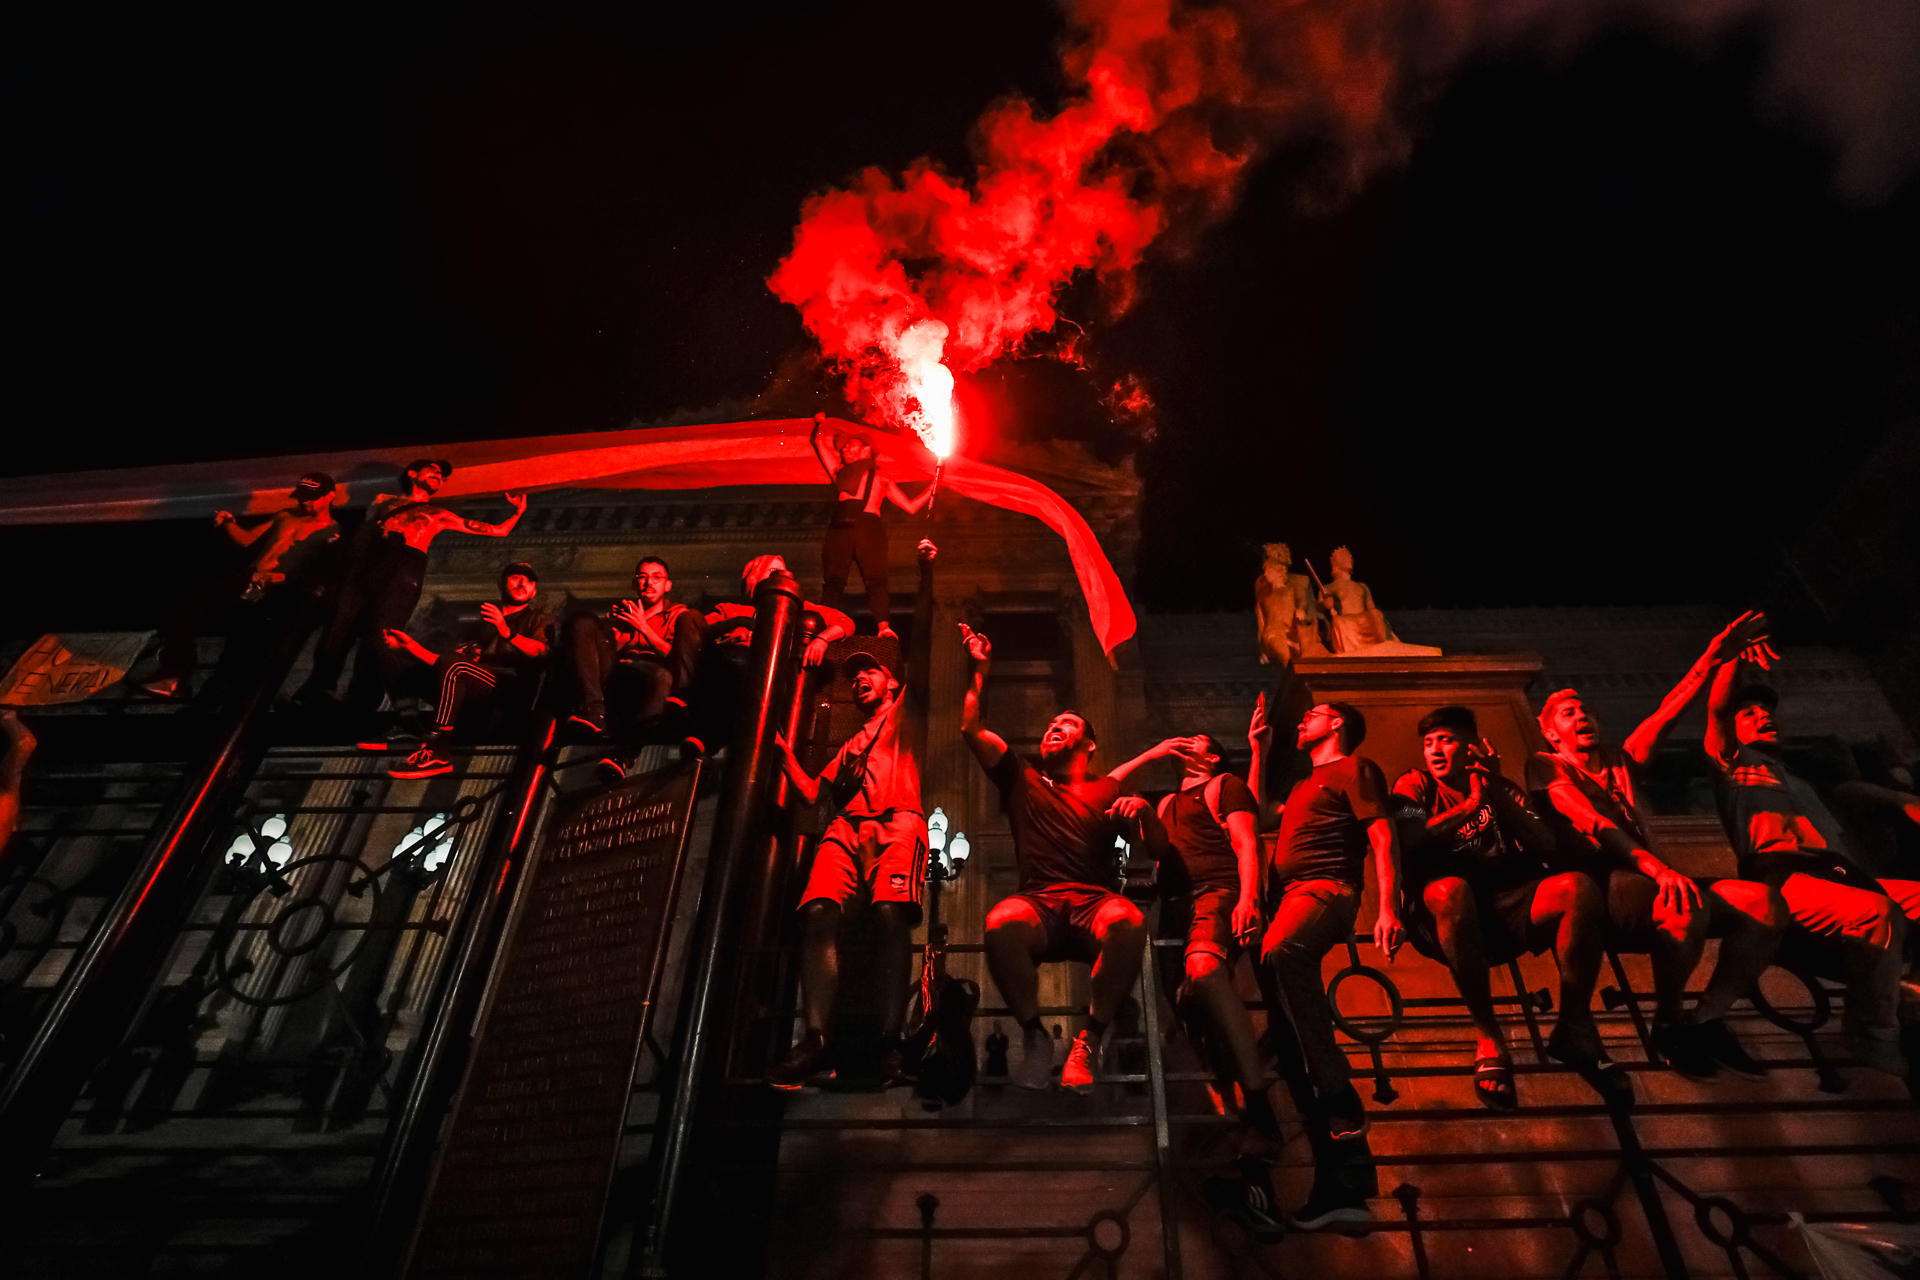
522 1175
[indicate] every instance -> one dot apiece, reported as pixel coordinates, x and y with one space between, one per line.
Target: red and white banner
696 457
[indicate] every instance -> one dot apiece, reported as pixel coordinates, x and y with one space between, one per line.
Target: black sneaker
1719 1043
593 722
1346 1115
1681 1047
893 1065
1248 1200
611 769
806 1060
424 763
1332 1205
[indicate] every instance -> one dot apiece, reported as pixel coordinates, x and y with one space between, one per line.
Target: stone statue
1286 611
1358 629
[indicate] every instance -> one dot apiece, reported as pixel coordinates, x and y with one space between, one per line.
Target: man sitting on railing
1588 790
494 665
876 845
1482 889
646 651
260 559
1786 838
1065 908
728 638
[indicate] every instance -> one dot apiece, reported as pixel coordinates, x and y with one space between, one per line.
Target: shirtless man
259 557
382 583
875 849
857 534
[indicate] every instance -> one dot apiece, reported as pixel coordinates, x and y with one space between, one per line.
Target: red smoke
963 271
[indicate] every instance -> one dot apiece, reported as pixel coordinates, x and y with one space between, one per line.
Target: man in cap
645 649
385 569
876 845
1589 792
256 559
492 666
1787 839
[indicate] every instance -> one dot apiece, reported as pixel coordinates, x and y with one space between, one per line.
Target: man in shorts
876 846
1787 839
1065 909
1482 890
1589 791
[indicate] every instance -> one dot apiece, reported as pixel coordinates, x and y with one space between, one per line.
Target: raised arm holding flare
857 534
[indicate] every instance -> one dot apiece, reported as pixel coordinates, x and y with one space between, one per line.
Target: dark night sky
1606 338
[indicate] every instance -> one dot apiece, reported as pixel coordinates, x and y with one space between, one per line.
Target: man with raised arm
1065 908
875 847
258 559
1589 791
1332 821
493 665
1482 888
727 639
384 574
857 534
1788 840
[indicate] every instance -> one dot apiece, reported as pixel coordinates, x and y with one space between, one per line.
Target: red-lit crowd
1470 867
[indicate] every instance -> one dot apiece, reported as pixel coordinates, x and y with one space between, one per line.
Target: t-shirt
1608 793
1478 848
496 650
1775 821
1323 828
889 770
1201 852
1061 832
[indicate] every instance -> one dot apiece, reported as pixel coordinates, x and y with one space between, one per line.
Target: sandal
1493 1084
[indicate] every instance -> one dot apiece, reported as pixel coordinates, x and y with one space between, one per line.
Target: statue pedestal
1394 692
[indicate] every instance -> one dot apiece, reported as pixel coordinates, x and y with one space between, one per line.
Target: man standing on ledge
384 573
1066 908
1332 819
876 846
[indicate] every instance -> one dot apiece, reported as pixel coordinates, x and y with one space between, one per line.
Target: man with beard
259 559
1065 909
1589 791
1482 889
875 846
382 583
1787 839
494 664
645 649
728 639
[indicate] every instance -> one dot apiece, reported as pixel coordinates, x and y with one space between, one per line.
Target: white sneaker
1035 1069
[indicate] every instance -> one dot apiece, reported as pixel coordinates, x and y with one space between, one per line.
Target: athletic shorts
1206 920
1506 921
888 858
1067 912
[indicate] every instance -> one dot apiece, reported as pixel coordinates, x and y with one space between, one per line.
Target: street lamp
957 851
937 831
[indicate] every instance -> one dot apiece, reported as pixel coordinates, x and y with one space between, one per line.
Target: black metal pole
739 830
110 976
406 1156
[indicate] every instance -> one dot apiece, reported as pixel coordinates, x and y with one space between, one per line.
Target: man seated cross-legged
1066 908
1482 889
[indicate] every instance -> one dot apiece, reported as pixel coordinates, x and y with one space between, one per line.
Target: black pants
858 537
194 610
378 593
470 691
640 687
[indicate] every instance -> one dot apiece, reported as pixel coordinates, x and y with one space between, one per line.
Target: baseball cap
1764 694
520 567
861 660
446 468
313 484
